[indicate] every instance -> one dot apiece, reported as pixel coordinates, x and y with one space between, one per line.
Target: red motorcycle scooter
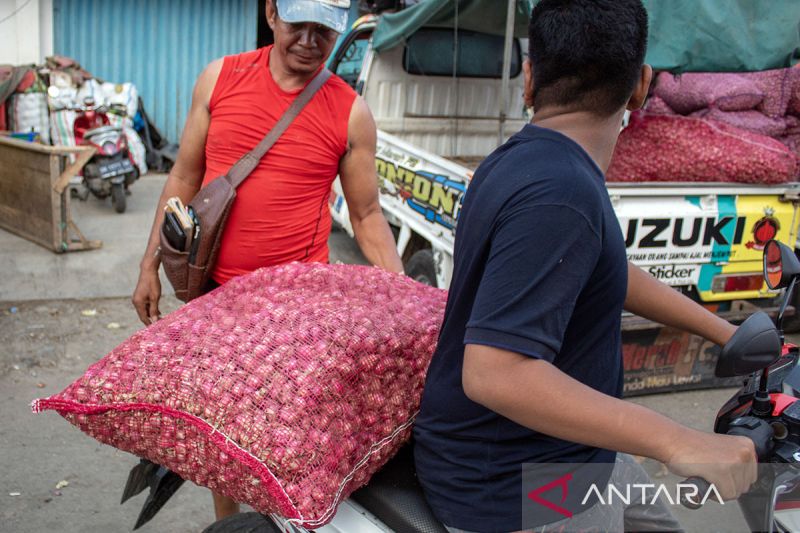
111 170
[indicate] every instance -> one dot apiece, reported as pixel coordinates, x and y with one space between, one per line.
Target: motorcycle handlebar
702 487
755 429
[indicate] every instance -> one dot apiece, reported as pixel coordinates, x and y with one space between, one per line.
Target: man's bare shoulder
206 81
361 124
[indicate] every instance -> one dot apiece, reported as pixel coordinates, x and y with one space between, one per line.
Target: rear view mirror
755 346
780 265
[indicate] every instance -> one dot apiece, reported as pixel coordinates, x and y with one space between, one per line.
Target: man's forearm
174 186
377 242
651 299
563 407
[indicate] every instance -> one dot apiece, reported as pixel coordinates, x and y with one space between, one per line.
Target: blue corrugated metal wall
159 45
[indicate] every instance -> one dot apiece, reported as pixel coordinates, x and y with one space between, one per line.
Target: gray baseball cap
330 13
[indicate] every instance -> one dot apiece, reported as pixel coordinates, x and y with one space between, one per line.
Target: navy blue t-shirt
541 270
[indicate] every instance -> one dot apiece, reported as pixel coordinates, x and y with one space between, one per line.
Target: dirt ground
44 346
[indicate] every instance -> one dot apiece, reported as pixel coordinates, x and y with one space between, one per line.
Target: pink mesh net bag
696 90
777 86
684 149
750 120
657 106
285 389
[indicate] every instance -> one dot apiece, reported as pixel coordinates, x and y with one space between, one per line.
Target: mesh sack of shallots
750 120
285 389
689 92
777 86
676 148
657 106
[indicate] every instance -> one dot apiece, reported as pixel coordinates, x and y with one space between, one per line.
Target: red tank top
281 210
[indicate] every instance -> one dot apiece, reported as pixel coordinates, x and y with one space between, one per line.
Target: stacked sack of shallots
719 127
285 389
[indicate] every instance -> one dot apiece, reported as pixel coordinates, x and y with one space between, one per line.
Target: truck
442 101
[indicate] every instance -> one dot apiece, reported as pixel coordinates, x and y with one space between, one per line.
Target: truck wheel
118 197
244 523
422 268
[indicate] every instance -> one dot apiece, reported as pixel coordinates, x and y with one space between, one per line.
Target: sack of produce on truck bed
777 86
791 141
689 92
657 106
793 107
750 120
676 148
285 389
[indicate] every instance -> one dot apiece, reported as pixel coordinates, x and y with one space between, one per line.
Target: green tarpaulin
685 35
487 16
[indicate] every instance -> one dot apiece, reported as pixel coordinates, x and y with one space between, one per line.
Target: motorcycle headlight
109 148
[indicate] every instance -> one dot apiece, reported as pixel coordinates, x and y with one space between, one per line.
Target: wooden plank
80 160
25 190
58 209
25 179
25 225
25 145
40 148
34 198
14 157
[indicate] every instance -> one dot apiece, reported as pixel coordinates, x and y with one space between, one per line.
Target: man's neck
287 79
596 135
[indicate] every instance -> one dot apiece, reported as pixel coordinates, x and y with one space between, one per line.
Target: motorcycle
765 410
111 170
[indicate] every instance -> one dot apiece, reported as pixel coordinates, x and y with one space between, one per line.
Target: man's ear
640 91
272 14
527 70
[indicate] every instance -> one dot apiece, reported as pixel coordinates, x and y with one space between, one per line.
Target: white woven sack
28 112
123 94
135 144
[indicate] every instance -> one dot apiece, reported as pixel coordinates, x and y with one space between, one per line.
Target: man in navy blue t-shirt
528 368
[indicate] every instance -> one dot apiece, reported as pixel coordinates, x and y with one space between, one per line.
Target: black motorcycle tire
118 197
244 523
421 267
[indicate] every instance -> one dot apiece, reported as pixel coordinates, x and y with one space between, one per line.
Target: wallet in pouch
174 233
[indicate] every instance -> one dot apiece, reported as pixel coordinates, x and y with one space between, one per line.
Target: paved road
46 341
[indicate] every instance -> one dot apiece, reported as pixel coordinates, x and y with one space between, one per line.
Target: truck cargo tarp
487 16
685 35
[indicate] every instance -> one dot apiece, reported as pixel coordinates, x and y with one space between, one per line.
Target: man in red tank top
281 209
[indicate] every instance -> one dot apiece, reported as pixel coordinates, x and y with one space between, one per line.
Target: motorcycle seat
102 130
395 497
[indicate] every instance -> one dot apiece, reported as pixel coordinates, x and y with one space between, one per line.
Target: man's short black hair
587 54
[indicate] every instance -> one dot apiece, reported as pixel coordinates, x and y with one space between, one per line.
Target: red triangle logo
562 482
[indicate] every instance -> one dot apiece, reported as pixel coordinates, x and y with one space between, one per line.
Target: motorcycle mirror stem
762 405
786 299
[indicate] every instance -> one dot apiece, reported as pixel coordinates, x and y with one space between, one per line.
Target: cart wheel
244 523
118 197
422 268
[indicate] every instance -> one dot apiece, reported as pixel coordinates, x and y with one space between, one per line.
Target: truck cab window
350 59
429 52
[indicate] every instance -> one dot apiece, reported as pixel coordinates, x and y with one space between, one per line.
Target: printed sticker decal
434 196
764 229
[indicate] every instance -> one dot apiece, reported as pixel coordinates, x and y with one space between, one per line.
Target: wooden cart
34 193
